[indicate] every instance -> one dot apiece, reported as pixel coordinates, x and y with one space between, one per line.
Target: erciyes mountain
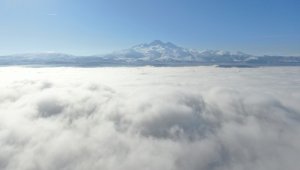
156 53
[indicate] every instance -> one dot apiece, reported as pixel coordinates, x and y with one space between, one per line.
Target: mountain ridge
156 53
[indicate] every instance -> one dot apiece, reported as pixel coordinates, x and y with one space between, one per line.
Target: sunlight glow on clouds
149 118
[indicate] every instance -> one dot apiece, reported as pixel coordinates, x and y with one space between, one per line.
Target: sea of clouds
147 118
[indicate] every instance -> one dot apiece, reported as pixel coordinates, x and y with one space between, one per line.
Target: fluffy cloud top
149 118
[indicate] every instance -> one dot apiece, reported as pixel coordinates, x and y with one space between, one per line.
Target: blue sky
86 27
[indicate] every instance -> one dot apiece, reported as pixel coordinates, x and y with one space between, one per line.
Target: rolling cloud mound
149 118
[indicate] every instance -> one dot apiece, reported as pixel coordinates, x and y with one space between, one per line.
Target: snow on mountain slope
155 51
161 51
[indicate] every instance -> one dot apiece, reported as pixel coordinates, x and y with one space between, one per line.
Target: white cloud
149 118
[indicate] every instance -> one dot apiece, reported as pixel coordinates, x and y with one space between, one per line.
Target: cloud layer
149 118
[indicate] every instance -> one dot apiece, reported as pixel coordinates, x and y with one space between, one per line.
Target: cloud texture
149 118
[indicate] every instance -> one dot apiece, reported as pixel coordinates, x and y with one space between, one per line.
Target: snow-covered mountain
156 53
166 53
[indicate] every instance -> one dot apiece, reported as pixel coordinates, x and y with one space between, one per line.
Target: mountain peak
157 43
161 43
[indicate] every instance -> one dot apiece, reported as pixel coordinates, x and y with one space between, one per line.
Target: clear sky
86 27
